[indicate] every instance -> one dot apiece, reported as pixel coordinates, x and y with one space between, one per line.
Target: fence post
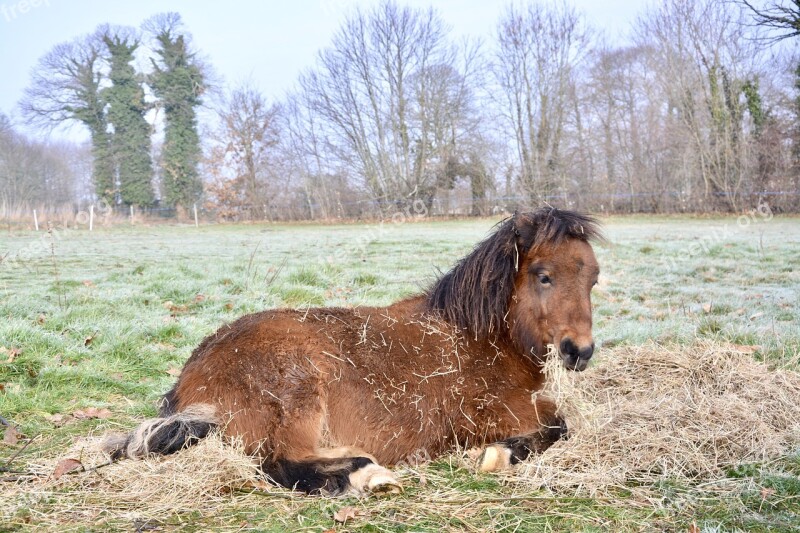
196 225
35 220
91 217
131 213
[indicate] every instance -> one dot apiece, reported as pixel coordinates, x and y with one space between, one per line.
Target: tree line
698 109
93 80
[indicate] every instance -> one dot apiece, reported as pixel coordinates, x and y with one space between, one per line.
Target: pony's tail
165 435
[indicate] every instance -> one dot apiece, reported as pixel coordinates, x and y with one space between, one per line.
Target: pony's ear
525 229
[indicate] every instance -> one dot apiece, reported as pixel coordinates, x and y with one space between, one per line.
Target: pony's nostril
586 353
568 347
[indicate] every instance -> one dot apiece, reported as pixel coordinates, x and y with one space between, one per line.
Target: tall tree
303 143
249 132
130 142
65 87
781 17
539 47
704 57
782 21
33 171
390 97
178 81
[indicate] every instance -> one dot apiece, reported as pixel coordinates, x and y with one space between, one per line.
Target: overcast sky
265 42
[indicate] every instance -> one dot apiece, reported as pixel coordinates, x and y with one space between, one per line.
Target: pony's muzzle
575 357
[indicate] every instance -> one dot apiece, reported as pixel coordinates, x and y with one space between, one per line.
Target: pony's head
530 281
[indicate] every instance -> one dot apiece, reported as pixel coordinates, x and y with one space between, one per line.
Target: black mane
475 293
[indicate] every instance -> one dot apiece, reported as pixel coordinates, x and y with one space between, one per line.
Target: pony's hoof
375 479
494 458
384 485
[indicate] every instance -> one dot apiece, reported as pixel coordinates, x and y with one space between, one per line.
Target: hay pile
649 413
202 478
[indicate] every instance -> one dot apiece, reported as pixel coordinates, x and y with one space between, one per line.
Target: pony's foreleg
513 450
333 473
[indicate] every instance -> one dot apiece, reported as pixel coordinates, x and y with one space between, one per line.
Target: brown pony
324 396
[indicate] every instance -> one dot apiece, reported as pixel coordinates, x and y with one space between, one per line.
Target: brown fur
454 366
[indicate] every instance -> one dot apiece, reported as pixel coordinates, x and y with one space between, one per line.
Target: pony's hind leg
331 475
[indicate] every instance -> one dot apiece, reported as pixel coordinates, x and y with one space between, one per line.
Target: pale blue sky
267 42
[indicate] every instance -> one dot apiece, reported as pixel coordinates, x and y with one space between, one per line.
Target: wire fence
454 204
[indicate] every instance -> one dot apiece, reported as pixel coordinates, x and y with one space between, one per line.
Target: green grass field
103 319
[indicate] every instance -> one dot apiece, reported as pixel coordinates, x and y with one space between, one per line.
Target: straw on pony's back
324 396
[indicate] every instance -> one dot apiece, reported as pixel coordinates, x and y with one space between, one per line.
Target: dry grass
651 413
60 215
202 477
641 415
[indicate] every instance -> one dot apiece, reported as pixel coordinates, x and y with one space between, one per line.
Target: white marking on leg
374 479
495 457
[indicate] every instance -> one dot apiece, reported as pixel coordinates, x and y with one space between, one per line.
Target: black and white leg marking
502 455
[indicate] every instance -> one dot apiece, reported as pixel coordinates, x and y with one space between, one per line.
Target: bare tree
33 172
705 62
390 94
65 87
783 17
308 163
538 49
245 141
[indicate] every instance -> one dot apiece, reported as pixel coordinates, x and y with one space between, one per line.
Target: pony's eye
544 279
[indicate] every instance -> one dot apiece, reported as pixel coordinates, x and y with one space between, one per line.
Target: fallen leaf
91 412
756 315
747 348
766 493
199 298
228 306
257 485
693 528
174 308
173 371
59 419
707 308
88 283
344 514
88 340
12 436
2 387
41 318
10 353
66 465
